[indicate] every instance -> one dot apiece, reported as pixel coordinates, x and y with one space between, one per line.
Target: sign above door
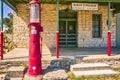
84 6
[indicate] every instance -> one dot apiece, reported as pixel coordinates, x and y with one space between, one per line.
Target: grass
117 77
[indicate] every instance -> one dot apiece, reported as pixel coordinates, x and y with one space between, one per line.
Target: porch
85 51
21 54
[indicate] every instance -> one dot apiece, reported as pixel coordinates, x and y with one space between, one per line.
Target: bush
8 44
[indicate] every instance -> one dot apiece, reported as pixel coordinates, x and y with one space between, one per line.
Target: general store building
82 23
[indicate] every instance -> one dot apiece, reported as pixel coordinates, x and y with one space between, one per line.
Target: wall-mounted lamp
112 8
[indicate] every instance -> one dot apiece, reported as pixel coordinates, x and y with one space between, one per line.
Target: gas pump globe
35 66
34 13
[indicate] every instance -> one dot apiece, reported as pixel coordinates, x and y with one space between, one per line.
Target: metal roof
12 3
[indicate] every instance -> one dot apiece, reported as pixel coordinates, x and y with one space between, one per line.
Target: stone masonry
21 30
85 28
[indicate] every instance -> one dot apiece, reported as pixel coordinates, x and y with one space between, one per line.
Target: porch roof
115 3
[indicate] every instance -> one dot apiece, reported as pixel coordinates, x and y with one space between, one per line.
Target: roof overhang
115 3
11 4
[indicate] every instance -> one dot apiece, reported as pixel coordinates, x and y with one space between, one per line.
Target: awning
115 3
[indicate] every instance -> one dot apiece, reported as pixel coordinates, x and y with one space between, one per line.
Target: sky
6 10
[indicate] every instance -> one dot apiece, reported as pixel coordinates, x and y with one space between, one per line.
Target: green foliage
8 44
25 65
116 69
72 77
8 22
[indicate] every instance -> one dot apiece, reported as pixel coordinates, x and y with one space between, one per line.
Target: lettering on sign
84 6
33 30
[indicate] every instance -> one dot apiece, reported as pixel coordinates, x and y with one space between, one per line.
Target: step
95 73
2 71
3 68
15 72
16 78
89 66
2 76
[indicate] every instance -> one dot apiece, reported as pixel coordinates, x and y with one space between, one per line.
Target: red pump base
57 44
109 43
1 45
35 65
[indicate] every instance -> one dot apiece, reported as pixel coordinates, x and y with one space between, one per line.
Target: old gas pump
35 65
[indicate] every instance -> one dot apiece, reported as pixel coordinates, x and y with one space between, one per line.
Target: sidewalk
22 54
17 54
85 51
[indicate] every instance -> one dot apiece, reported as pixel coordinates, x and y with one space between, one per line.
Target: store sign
84 6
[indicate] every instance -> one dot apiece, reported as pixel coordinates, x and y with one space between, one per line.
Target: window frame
99 27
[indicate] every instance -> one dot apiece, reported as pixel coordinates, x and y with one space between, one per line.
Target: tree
8 22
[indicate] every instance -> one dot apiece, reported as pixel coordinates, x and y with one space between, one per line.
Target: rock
61 63
56 75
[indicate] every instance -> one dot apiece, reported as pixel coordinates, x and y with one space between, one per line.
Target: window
96 25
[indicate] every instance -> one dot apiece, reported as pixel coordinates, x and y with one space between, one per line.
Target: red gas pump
35 65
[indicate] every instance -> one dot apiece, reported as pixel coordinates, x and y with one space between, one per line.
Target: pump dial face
33 30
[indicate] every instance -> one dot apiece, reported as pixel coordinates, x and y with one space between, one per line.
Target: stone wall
49 24
21 30
85 38
20 26
21 21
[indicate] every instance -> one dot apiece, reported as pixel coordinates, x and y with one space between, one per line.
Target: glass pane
96 26
62 15
71 15
67 15
62 27
34 13
71 27
96 23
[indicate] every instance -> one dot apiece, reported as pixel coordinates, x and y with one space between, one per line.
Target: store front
69 23
85 25
68 29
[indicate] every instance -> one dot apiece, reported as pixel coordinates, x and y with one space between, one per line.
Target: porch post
1 29
57 29
109 33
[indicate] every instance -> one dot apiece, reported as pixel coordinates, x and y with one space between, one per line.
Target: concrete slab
16 78
92 57
20 68
22 54
59 74
17 54
95 73
85 51
15 72
90 65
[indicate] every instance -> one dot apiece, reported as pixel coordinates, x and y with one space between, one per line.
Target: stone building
85 25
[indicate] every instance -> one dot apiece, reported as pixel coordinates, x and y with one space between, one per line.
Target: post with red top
35 65
1 29
1 45
109 33
57 29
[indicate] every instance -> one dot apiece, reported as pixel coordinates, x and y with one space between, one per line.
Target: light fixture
112 8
